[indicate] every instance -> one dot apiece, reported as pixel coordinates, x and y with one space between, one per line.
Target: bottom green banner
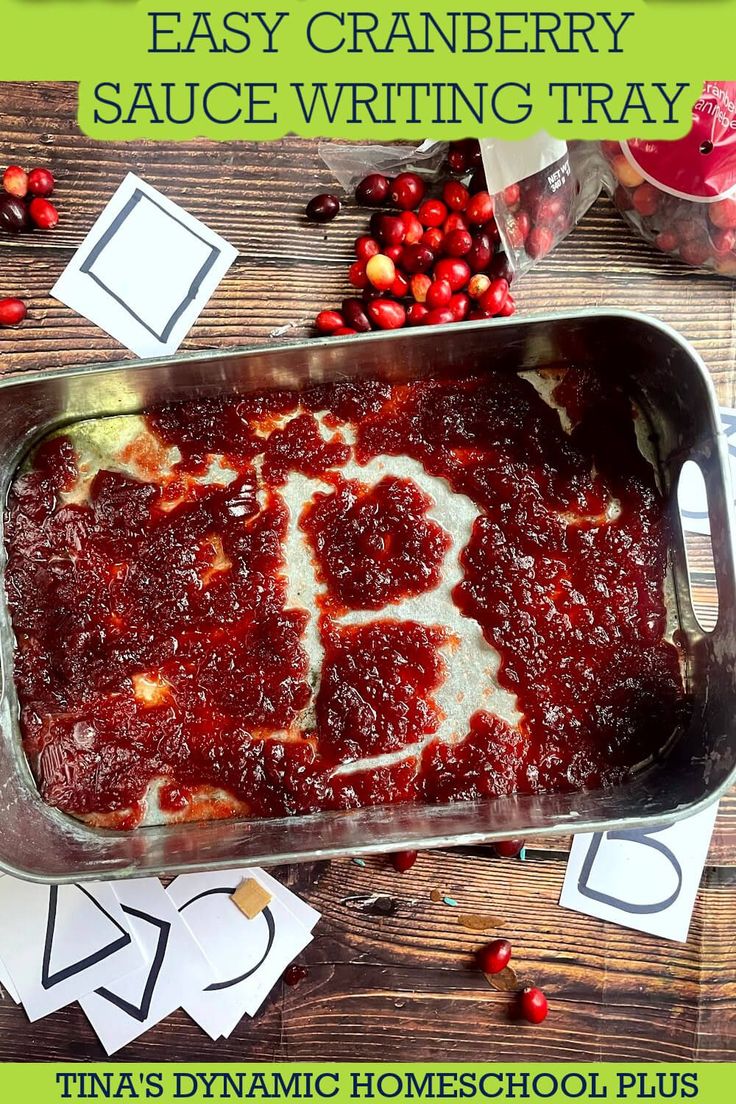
346 1082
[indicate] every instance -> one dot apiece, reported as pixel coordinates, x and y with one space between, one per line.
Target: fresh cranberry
478 284
323 208
455 195
493 299
508 308
457 243
366 247
390 230
540 241
43 214
413 227
381 271
15 181
491 231
455 221
386 314
354 314
480 208
432 212
460 305
407 191
500 266
433 238
517 229
12 312
723 214
724 241
357 275
645 199
508 849
420 284
417 258
477 182
533 1005
512 196
395 252
41 182
438 294
327 321
494 957
480 253
667 241
453 269
440 316
403 860
457 160
373 190
694 252
13 214
343 331
416 314
400 286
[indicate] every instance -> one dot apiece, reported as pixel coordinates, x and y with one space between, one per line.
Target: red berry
460 305
357 275
533 1004
413 227
694 252
477 181
494 957
366 247
493 299
373 190
667 241
433 239
508 849
440 316
539 242
511 196
416 314
12 312
455 195
15 181
457 243
322 208
417 258
41 182
517 229
480 253
403 860
43 214
400 286
420 284
386 314
438 294
724 241
390 229
13 214
407 191
343 331
480 208
646 199
723 214
508 308
457 160
381 271
432 212
501 266
453 269
327 321
454 221
395 252
354 314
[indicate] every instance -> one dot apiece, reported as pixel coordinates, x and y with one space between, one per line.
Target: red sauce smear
155 641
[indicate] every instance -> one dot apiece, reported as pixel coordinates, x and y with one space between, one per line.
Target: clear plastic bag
681 195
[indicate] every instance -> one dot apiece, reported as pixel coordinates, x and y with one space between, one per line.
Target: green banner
347 1082
166 69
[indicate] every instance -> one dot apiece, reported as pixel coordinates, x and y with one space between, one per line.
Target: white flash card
248 956
174 969
60 942
145 271
642 878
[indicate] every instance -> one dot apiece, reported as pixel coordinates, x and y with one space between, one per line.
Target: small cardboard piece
251 898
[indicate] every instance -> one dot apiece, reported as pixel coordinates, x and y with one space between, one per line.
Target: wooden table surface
397 986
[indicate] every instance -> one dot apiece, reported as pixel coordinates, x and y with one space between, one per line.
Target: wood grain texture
398 986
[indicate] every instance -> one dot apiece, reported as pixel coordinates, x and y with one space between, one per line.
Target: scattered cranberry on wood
533 1005
12 312
495 956
41 182
43 214
15 181
323 208
403 860
508 849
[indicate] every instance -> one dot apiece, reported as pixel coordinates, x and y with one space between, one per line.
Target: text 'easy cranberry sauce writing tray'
685 766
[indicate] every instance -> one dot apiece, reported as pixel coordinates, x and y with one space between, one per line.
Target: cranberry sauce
157 641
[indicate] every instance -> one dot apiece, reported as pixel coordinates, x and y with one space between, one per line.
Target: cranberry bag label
702 165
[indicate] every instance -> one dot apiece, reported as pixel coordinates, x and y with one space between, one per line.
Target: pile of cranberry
24 205
427 259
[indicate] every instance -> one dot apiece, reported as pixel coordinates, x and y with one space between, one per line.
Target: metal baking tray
672 387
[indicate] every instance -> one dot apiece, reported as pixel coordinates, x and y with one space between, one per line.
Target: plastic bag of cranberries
541 188
681 195
430 252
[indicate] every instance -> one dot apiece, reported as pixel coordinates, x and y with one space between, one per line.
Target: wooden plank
376 980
